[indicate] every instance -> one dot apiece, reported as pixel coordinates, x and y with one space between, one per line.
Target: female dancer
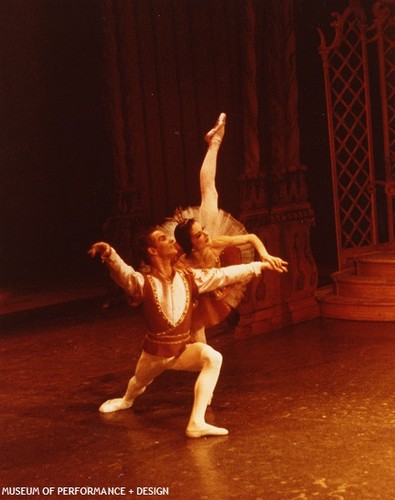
206 234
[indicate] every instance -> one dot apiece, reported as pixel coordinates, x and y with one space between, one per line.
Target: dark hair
182 234
143 241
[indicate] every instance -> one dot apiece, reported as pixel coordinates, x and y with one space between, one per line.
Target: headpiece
179 217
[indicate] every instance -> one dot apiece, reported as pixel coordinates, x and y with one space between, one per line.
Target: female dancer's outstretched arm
276 263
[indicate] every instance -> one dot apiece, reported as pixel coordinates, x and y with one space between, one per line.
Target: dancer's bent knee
211 357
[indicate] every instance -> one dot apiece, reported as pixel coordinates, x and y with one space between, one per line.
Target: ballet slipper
215 135
207 430
115 405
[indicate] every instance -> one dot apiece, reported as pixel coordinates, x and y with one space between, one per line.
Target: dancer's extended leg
147 369
209 194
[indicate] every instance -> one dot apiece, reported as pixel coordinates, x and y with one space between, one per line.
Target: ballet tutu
214 306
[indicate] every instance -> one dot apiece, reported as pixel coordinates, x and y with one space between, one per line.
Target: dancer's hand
101 248
275 263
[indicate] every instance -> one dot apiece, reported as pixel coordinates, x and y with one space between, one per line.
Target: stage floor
310 410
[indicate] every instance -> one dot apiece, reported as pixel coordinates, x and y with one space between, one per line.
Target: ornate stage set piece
274 201
164 86
360 59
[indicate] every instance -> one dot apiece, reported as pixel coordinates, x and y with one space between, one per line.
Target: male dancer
168 297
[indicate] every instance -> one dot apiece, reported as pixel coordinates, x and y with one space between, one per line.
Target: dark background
56 177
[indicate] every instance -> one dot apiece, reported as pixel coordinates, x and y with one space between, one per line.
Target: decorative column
118 70
253 195
274 203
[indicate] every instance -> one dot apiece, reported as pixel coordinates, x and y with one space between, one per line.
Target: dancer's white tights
196 357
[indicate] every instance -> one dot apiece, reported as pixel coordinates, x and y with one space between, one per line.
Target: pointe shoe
115 405
207 430
216 134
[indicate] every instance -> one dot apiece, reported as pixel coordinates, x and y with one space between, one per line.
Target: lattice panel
348 103
383 30
389 80
388 48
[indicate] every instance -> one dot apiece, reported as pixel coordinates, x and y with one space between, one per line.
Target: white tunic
172 294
